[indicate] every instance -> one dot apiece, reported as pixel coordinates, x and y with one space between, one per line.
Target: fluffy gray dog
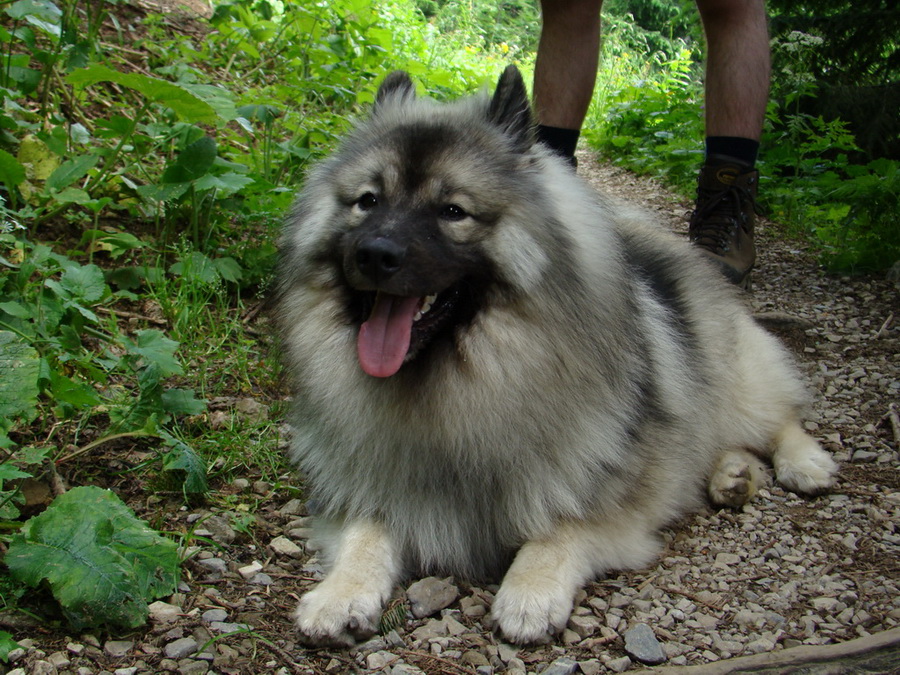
500 374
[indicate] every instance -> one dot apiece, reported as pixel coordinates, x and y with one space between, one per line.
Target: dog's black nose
379 258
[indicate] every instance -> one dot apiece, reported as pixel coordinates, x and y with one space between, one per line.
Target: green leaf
67 390
191 163
16 309
19 369
229 268
11 171
114 243
71 171
42 9
185 104
182 402
7 644
85 283
221 100
103 564
226 184
163 193
183 458
9 472
155 349
72 195
196 266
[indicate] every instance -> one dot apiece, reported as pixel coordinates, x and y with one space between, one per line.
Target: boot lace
718 215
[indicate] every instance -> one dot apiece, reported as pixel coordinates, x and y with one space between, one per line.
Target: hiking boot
723 221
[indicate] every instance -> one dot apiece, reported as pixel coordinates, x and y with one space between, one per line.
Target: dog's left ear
510 109
396 86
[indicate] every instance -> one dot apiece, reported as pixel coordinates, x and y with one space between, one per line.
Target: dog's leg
347 604
800 462
737 476
535 599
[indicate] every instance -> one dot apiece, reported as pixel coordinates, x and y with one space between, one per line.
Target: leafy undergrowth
146 161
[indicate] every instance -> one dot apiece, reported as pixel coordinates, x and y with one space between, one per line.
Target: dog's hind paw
737 477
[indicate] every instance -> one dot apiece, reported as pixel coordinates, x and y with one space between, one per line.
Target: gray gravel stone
180 648
561 666
641 645
430 595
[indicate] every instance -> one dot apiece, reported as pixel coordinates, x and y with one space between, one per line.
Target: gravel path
784 571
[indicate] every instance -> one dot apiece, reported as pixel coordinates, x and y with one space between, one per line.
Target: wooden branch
879 653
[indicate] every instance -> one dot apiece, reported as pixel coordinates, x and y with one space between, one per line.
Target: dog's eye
367 201
453 212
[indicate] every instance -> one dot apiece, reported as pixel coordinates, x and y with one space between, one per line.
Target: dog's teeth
426 305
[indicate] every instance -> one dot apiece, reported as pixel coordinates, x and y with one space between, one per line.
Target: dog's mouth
398 327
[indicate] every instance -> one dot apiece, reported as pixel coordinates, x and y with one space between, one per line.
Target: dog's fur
582 379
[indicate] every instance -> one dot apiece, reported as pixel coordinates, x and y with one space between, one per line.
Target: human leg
737 86
565 70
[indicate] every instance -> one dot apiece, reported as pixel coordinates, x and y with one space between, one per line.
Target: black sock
743 150
561 141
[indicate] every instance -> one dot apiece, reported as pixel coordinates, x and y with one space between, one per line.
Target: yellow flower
504 47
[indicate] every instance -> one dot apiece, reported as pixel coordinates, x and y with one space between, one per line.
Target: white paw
736 479
810 472
334 615
527 613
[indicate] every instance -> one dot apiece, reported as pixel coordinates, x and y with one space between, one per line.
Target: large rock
430 595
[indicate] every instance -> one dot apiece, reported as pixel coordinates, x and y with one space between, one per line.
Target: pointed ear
511 110
397 85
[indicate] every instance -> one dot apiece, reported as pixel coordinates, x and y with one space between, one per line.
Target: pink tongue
384 338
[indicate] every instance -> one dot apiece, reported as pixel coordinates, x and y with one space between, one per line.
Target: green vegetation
816 178
146 161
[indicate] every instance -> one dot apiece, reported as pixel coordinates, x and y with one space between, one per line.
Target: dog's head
407 217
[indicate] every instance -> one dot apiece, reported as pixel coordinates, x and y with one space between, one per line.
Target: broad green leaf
67 390
226 184
185 104
114 243
163 193
72 195
229 268
85 283
11 171
155 349
16 309
196 266
183 458
37 158
42 9
10 472
182 402
102 563
7 644
71 171
191 163
19 369
221 100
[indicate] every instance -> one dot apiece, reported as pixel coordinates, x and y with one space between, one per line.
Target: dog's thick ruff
497 371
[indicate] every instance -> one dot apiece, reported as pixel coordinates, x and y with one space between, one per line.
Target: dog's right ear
510 110
396 86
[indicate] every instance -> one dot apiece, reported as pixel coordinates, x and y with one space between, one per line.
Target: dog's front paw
801 464
330 615
531 613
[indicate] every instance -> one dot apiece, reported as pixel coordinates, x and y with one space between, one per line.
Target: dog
499 373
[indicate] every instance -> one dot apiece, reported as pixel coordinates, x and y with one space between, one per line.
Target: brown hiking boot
723 221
